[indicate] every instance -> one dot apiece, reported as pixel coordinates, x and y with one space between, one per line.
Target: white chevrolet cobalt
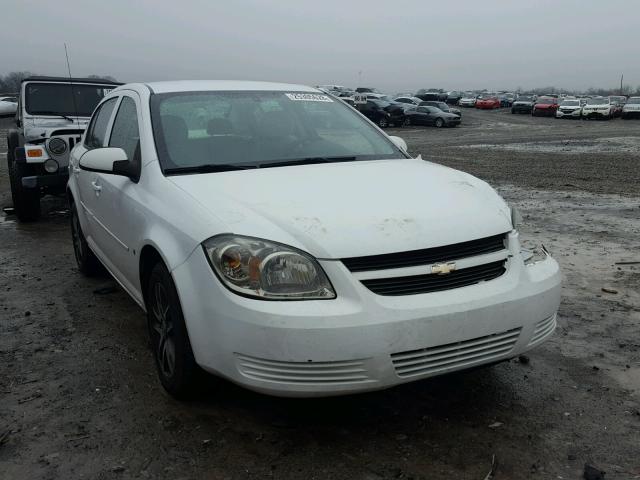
277 238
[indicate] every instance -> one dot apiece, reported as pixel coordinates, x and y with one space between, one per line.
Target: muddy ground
79 396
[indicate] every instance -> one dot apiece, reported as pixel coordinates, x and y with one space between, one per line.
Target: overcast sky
397 46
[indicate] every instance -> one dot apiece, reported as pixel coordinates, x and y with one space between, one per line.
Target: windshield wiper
208 168
47 112
305 161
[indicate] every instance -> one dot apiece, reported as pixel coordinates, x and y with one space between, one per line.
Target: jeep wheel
26 201
174 358
88 263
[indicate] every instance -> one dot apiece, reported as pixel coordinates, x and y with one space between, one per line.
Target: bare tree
10 83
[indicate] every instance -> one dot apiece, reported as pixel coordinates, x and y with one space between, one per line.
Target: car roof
70 79
225 85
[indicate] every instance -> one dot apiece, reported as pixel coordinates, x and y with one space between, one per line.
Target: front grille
454 355
416 284
309 373
426 256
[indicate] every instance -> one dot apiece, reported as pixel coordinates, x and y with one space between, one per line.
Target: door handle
97 188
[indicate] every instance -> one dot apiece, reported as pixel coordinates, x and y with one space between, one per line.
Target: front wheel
176 365
439 123
87 262
407 122
26 201
383 122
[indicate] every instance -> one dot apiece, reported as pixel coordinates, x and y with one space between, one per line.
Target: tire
26 202
407 122
176 365
439 123
87 262
513 111
383 122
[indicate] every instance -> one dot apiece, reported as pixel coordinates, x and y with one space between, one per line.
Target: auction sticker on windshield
308 97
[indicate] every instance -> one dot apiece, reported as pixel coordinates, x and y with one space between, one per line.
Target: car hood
602 105
351 209
546 105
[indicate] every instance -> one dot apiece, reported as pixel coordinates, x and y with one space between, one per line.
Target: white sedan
277 238
8 106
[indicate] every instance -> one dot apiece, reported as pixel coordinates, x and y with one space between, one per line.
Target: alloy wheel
162 325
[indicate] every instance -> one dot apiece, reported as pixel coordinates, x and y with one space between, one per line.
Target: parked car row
401 111
574 107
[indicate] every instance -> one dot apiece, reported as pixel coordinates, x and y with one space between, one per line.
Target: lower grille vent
454 355
310 373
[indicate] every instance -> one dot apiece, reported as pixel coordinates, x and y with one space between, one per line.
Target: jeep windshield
58 98
201 132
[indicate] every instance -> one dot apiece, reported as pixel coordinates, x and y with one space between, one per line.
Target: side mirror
104 160
400 143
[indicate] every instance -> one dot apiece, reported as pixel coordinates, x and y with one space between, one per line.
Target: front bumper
522 108
544 112
596 114
361 341
572 114
631 114
51 182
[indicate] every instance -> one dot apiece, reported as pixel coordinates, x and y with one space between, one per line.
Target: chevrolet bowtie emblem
443 268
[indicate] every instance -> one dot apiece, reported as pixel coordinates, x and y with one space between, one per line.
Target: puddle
629 145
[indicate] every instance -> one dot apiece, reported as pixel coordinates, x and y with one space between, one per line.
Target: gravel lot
79 396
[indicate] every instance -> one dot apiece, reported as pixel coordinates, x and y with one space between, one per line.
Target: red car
545 106
488 102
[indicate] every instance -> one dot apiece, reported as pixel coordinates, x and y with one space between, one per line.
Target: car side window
423 109
97 130
125 133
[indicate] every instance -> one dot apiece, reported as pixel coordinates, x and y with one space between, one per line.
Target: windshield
634 101
598 101
58 98
571 103
249 129
546 100
525 98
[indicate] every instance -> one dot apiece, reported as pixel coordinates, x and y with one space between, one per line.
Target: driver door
88 189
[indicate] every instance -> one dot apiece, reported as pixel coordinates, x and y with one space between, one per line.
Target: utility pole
621 78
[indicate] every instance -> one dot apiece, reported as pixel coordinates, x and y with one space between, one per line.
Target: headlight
266 270
57 146
516 218
538 254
